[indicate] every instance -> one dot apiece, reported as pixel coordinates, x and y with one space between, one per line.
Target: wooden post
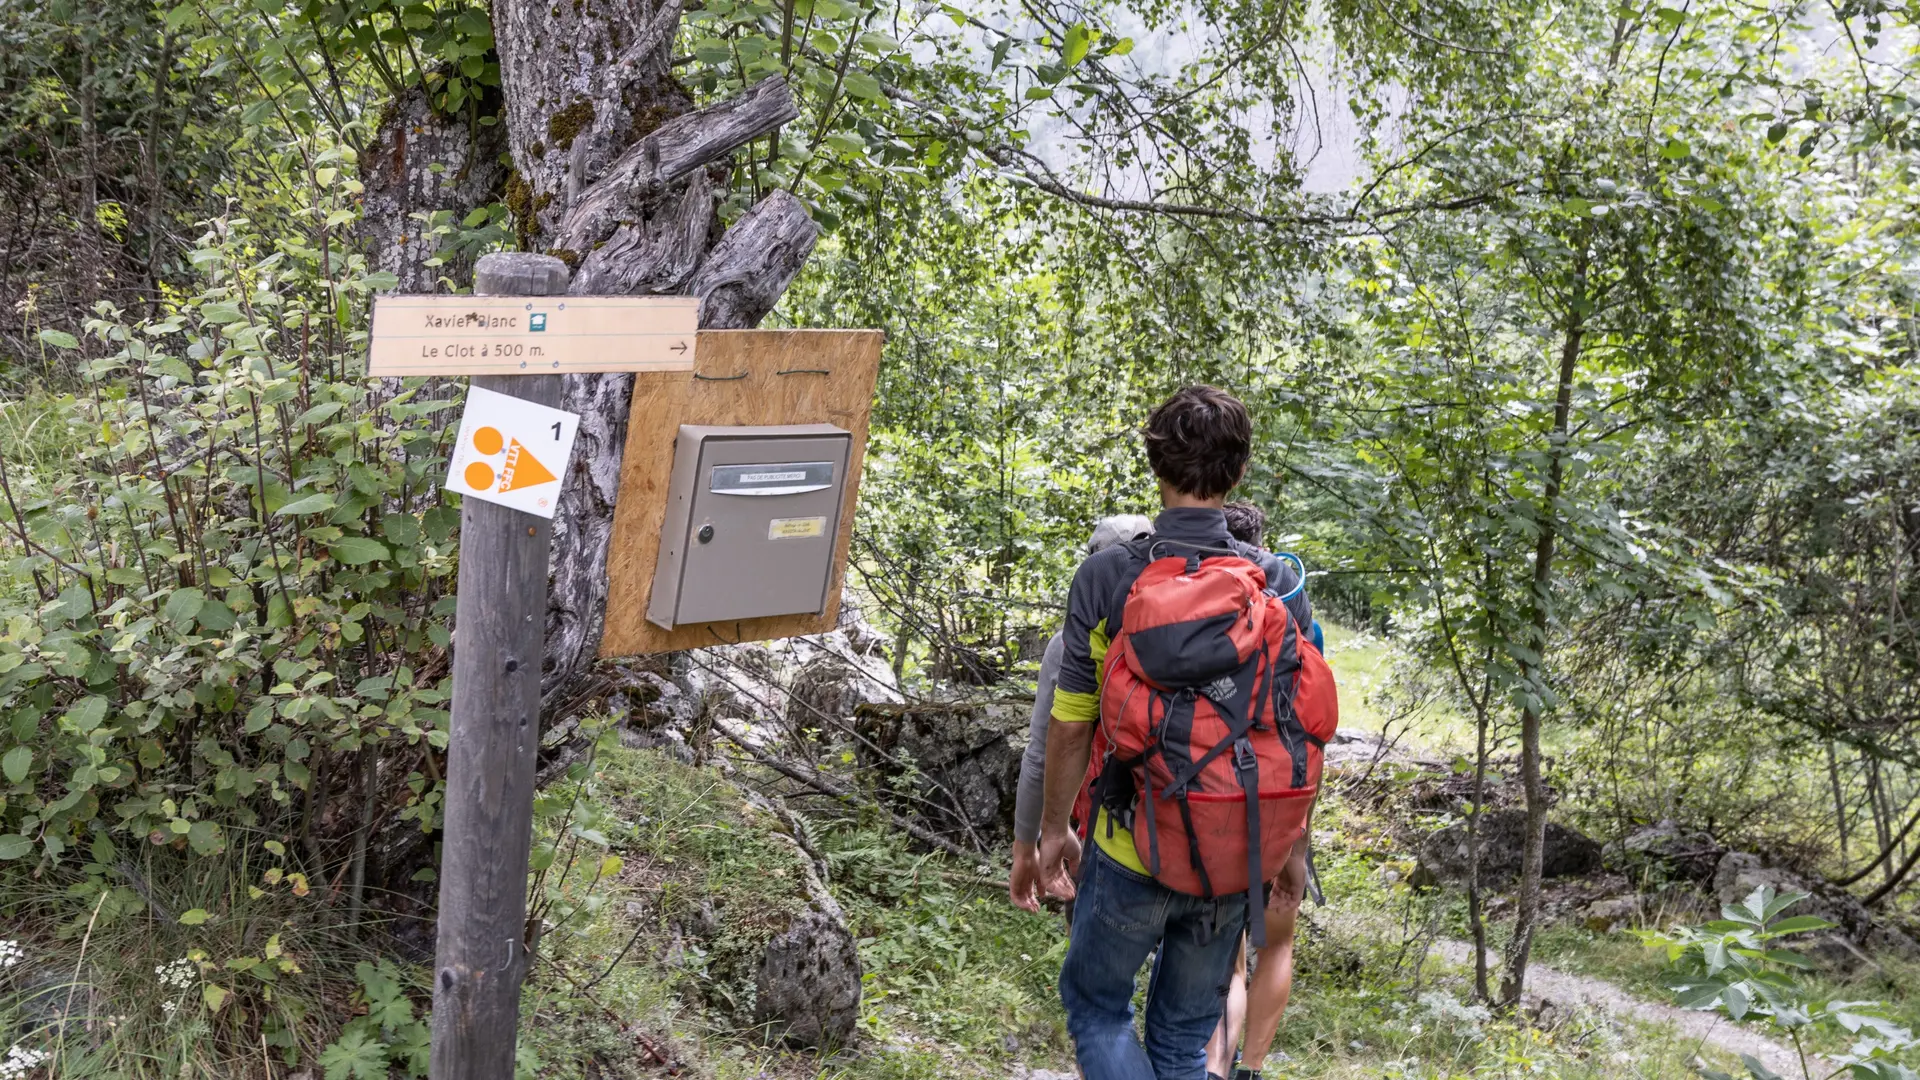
499 643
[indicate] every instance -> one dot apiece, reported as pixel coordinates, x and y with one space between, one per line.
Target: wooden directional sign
522 335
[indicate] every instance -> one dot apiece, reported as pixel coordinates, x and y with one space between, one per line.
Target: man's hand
1059 862
1068 747
1023 880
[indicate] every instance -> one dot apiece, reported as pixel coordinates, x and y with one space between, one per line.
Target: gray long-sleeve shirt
1031 792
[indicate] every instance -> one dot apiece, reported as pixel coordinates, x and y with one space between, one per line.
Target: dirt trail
1547 984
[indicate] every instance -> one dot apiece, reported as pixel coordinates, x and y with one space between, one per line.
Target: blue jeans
1118 919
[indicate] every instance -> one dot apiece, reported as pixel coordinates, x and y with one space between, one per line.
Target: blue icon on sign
537 322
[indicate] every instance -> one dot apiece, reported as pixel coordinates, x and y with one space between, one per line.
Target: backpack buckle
1244 758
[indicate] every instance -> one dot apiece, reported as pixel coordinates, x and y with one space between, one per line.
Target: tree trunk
1533 855
400 182
1476 920
614 171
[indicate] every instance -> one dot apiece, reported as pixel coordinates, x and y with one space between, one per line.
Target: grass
255 974
959 983
1620 958
666 879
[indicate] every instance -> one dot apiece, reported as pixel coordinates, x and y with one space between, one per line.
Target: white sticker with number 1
512 452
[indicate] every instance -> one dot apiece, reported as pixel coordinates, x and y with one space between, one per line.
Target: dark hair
1199 441
1246 523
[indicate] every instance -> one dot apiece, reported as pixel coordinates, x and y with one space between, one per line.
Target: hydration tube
1299 566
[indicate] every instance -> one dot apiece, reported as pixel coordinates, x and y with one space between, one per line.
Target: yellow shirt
1072 708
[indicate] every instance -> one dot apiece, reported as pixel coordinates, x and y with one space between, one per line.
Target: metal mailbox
753 515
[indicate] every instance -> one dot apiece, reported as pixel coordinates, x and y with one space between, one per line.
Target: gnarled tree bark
401 178
614 170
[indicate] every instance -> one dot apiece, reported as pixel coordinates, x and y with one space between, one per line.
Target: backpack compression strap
1247 763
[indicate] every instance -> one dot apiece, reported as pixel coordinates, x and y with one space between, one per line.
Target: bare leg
1227 1036
1272 980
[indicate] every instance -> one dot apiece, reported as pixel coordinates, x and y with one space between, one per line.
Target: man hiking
1256 1005
1023 877
1198 444
1246 523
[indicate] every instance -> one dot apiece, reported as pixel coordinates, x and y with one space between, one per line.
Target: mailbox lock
706 534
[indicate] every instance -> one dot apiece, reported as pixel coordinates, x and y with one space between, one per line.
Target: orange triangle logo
523 469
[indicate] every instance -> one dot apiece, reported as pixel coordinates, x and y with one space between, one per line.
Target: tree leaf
359 550
317 503
862 85
1800 924
16 763
1736 1001
213 995
59 339
215 617
195 917
206 838
184 604
13 846
1074 49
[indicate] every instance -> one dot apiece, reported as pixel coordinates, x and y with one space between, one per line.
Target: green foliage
386 1036
1733 967
235 585
944 954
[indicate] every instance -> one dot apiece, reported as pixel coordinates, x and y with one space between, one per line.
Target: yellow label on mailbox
796 528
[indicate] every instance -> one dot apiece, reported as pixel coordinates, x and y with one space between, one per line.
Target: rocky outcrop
953 765
789 687
1666 851
1443 857
808 987
1612 913
1858 936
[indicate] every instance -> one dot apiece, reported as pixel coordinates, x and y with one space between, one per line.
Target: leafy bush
228 606
1732 966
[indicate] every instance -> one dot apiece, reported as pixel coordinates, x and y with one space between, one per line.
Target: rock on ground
809 982
1860 935
1502 836
1668 849
808 985
963 758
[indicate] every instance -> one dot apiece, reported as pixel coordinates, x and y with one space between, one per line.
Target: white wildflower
168 1008
20 1061
176 974
11 953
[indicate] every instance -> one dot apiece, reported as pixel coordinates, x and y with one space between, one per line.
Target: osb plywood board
740 377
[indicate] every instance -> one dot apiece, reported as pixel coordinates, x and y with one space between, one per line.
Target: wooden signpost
531 334
517 336
500 622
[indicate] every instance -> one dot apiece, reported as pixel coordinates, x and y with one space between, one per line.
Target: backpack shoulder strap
1139 553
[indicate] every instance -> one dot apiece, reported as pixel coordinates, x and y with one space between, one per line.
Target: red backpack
1214 711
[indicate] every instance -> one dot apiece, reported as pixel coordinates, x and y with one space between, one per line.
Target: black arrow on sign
679 348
